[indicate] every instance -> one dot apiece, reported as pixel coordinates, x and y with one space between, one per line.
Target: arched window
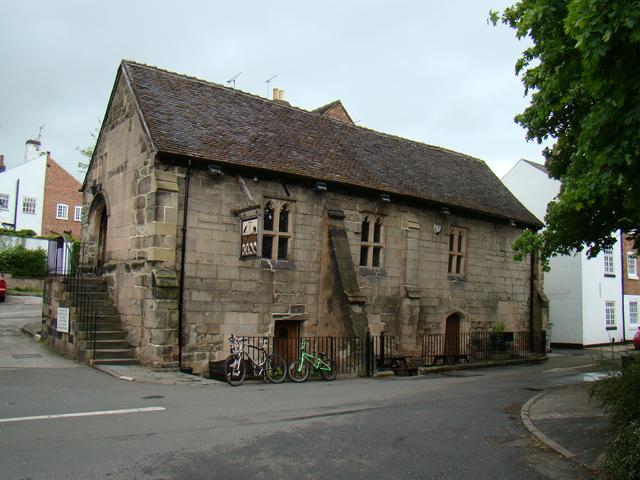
276 231
371 242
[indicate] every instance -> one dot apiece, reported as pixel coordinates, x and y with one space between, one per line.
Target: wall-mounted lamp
437 228
384 197
445 211
320 187
512 222
214 170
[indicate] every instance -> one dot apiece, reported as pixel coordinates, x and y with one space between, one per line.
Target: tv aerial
232 80
268 82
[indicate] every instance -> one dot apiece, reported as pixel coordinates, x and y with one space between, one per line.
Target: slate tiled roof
539 166
206 121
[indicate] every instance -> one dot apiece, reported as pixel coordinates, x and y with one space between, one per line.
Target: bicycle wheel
331 374
301 375
236 377
275 368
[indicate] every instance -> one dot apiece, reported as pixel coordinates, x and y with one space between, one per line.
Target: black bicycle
270 366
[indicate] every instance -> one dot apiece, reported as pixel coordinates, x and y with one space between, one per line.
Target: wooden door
452 335
287 339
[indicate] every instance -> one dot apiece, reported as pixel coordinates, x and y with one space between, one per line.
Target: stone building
211 211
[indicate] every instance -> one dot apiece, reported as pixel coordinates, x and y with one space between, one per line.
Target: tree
582 71
87 152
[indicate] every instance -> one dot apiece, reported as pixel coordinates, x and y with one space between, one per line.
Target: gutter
187 180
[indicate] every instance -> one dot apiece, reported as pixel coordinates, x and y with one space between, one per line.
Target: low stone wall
55 296
23 283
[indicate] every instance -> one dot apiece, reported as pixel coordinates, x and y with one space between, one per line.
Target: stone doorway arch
98 226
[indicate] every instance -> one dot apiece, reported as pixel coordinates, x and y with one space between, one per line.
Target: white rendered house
22 191
585 295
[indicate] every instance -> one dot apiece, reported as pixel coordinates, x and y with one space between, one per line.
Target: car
3 288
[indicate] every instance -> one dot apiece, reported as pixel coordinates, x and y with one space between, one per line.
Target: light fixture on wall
512 222
320 187
437 228
445 211
214 170
384 197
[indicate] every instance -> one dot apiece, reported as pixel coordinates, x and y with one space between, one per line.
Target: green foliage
21 262
498 328
87 152
619 396
18 233
582 72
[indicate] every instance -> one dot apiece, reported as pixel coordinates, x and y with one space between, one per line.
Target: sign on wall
249 241
62 325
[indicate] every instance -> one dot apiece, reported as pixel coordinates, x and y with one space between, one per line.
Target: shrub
26 233
20 262
620 395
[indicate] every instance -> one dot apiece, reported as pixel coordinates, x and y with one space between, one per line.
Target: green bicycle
299 370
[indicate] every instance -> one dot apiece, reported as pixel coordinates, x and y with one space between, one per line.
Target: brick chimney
3 167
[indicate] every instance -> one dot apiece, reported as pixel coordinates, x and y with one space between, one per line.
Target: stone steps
111 346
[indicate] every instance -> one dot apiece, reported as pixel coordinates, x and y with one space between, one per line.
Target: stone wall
141 234
56 296
411 293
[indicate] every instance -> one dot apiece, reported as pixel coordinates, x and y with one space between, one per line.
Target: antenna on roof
232 80
40 132
268 82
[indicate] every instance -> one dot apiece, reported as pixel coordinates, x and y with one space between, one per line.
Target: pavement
567 419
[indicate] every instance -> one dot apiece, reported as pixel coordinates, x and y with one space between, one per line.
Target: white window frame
633 312
62 211
77 214
632 265
29 205
609 265
4 201
610 313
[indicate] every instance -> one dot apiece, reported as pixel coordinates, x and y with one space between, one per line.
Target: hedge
20 262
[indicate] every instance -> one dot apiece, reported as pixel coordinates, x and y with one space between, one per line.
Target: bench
401 365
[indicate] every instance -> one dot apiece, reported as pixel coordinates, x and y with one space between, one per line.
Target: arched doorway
102 240
452 335
98 227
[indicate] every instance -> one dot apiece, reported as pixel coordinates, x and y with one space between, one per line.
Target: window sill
372 271
632 277
277 264
455 278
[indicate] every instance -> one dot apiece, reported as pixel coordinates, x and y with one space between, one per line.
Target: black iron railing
363 356
79 279
479 346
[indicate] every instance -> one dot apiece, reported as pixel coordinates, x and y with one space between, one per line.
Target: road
461 425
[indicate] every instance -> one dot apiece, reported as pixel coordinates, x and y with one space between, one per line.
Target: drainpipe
622 266
187 180
15 211
532 295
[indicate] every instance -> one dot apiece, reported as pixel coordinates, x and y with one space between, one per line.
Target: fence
64 260
364 355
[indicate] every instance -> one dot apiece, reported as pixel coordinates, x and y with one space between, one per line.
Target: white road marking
568 369
83 414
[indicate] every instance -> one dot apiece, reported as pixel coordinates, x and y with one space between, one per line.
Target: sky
426 70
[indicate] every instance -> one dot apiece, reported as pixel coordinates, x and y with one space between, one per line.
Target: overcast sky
427 70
